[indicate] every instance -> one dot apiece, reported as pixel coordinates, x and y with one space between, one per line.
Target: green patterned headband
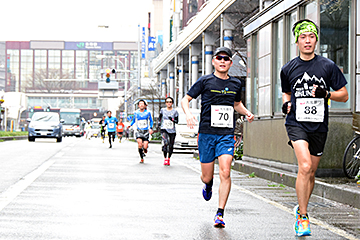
304 27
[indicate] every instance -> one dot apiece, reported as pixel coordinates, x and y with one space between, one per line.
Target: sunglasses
168 101
226 58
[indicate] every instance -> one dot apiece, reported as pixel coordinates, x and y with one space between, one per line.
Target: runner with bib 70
220 95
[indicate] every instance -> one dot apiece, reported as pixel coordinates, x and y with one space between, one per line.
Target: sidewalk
333 203
340 190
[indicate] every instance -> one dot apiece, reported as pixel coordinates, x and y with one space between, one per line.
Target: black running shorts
143 134
316 140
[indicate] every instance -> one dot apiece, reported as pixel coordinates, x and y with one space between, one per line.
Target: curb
13 138
329 191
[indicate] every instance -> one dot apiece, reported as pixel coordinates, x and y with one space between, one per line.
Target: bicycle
351 160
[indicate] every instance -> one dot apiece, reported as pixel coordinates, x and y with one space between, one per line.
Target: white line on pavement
320 223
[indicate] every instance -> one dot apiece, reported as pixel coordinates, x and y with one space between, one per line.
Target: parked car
186 138
94 131
45 125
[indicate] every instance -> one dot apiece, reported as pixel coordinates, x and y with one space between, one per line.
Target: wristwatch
328 95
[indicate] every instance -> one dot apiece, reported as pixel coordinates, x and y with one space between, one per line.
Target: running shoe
166 161
219 221
302 226
110 146
142 161
207 193
296 212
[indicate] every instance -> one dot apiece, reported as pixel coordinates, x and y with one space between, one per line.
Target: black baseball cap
223 50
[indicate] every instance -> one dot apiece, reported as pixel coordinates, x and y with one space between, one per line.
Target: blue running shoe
296 212
207 193
219 221
302 226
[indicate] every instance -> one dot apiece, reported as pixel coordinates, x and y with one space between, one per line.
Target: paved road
81 189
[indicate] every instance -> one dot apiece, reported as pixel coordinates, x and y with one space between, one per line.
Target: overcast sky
72 20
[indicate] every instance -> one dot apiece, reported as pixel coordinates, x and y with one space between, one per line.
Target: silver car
45 125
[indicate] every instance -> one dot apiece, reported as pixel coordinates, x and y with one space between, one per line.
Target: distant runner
167 119
120 129
102 128
111 123
144 124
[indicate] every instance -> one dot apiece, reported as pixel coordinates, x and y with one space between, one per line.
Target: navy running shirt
217 92
298 77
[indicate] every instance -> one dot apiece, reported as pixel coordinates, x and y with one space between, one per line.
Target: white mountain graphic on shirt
306 78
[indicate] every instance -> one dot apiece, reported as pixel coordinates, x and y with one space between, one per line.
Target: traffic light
108 71
107 75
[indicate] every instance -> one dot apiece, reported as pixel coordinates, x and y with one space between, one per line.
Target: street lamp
126 83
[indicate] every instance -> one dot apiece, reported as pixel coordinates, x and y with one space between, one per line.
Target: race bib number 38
310 109
222 116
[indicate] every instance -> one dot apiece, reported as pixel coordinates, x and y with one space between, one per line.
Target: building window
311 12
26 69
40 68
264 91
81 102
82 64
95 65
50 102
255 74
278 63
68 64
54 64
292 50
248 79
13 70
335 26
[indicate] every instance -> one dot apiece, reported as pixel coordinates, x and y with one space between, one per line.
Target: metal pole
139 65
126 83
221 30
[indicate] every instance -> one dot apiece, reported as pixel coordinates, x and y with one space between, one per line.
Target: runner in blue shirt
144 124
111 123
220 96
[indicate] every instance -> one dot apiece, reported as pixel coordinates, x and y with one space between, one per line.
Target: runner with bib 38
306 82
220 95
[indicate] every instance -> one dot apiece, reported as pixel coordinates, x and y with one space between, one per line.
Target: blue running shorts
212 146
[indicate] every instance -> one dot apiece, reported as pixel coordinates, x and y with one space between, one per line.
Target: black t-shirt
298 77
216 91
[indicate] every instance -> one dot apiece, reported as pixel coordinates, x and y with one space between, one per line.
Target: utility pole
139 64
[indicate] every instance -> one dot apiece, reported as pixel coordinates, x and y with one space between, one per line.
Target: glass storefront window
50 101
311 12
81 102
248 70
279 42
292 51
335 26
255 73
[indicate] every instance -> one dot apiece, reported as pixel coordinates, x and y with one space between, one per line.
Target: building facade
270 44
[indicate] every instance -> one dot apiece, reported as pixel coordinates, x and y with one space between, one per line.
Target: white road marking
320 223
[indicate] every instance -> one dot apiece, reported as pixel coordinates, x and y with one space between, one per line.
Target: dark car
45 125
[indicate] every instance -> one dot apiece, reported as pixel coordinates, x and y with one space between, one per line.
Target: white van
186 138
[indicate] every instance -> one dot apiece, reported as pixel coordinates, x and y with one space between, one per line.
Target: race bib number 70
310 109
222 116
